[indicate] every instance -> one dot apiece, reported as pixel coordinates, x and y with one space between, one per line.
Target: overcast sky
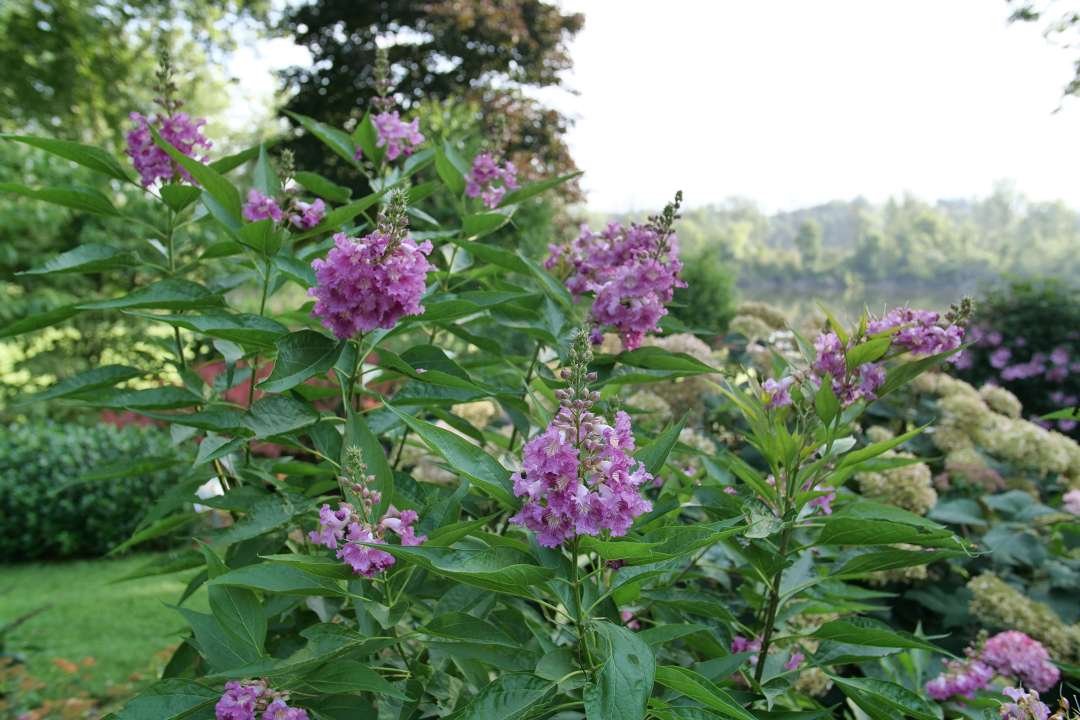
797 102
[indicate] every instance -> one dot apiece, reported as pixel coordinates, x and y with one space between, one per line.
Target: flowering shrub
565 560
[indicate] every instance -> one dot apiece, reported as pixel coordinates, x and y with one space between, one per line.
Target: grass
120 625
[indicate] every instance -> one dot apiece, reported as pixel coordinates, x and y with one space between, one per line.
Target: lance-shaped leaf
321 187
533 189
337 140
167 294
86 382
884 700
482 469
655 454
501 569
866 631
700 688
76 198
247 330
281 580
86 155
280 414
36 321
88 258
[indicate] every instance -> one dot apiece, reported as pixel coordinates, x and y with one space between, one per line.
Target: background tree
487 51
808 242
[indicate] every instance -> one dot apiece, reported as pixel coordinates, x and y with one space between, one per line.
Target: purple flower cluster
151 161
488 181
347 531
1010 654
860 383
260 207
305 216
918 331
633 272
740 644
398 137
245 700
778 392
369 283
579 476
1024 706
301 215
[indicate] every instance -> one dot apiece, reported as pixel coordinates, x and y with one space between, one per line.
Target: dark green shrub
708 300
1027 336
42 518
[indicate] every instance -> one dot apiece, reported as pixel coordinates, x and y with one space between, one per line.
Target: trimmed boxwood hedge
45 515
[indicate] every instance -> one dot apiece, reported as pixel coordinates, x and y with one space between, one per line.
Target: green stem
262 311
528 379
579 620
350 393
774 604
172 271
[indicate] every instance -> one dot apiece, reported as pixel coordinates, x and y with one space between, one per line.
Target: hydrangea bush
565 560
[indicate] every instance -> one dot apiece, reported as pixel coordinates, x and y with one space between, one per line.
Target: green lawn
120 625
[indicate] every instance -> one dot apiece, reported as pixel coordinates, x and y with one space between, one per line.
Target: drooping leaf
86 155
87 382
87 258
76 198
247 330
167 294
697 687
171 699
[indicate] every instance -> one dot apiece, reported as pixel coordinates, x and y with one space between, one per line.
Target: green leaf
213 182
903 374
478 225
300 356
321 187
865 631
655 454
350 676
179 196
493 255
237 609
85 199
220 649
261 236
700 688
958 511
160 398
862 561
875 449
500 569
37 321
554 289
533 189
624 682
484 470
87 258
265 179
1072 413
885 700
342 215
868 351
321 565
167 294
280 579
161 527
451 176
462 626
248 330
231 162
86 382
128 468
280 414
337 140
825 402
91 157
867 523
511 696
172 699
657 358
